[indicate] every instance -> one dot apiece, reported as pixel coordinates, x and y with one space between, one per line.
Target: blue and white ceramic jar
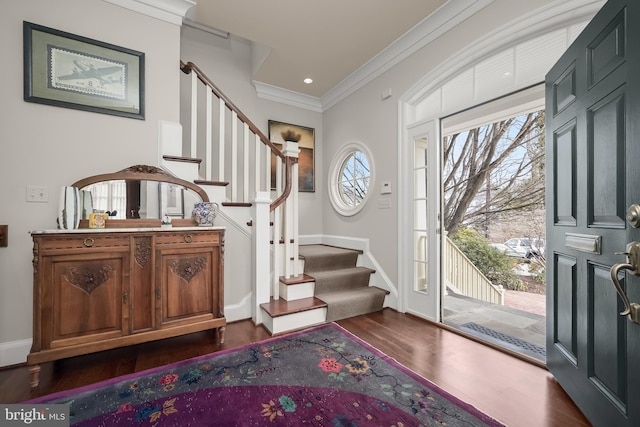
205 212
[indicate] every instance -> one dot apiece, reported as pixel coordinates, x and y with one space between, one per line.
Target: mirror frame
142 173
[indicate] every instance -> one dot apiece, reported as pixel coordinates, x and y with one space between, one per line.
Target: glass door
423 291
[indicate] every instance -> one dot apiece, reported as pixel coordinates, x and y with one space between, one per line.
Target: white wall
53 146
227 62
365 117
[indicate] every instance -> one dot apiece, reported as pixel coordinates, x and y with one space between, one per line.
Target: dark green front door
593 176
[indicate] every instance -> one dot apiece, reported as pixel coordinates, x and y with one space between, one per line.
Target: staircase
233 160
332 287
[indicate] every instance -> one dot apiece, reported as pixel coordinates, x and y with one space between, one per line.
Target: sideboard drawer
84 241
172 238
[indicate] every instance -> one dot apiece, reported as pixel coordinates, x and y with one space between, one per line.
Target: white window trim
334 172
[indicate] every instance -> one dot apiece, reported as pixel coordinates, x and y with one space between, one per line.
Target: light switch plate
37 194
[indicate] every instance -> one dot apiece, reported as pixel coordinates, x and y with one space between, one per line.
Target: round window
350 177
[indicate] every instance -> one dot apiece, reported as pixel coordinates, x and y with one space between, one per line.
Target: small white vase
69 208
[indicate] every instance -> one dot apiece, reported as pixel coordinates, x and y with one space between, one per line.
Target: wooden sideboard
95 290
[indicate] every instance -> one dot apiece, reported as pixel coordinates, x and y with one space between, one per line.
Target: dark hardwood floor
515 392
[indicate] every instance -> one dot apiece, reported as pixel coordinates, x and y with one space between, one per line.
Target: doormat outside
323 376
506 340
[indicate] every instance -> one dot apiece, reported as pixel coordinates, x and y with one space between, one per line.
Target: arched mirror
140 196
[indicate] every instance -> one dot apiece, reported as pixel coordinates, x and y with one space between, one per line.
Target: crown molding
435 25
289 97
172 11
442 20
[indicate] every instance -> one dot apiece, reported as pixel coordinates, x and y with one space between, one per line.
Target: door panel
593 134
607 51
608 330
606 140
565 326
564 184
423 296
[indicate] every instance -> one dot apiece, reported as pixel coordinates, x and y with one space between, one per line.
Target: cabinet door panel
87 296
187 281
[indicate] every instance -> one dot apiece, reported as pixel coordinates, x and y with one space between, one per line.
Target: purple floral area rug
323 376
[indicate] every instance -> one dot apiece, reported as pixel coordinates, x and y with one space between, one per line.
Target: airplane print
91 75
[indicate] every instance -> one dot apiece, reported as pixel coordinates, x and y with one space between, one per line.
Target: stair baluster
229 147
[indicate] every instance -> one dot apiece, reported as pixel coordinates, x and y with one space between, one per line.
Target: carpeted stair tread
341 279
323 257
353 302
339 282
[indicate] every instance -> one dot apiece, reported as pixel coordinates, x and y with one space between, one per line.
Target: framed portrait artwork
306 144
71 71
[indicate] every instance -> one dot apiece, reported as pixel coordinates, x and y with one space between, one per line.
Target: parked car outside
521 247
507 250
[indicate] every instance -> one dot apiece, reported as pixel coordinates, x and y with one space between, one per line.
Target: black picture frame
71 71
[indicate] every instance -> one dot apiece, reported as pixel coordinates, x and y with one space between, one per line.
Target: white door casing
419 268
452 86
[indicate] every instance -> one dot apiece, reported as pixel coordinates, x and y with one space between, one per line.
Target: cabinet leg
221 335
34 375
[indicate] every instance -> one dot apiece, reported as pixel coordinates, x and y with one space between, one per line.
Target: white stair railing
220 135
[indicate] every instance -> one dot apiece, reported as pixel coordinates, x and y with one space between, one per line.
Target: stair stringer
170 144
366 259
239 215
238 238
238 285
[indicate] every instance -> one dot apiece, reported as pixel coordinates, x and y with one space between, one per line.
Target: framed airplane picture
68 70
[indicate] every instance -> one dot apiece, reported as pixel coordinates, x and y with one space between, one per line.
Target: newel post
260 254
291 151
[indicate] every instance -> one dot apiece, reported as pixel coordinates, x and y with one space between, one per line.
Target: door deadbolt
633 215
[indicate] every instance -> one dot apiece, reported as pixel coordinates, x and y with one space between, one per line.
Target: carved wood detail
187 268
88 278
36 257
222 248
143 250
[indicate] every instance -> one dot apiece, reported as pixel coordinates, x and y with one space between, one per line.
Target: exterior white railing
466 278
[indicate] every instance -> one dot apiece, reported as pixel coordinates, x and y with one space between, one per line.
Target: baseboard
14 352
240 311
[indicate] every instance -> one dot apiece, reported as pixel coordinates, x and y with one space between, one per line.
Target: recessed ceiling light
308 81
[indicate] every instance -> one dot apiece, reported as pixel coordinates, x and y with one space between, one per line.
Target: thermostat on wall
385 188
